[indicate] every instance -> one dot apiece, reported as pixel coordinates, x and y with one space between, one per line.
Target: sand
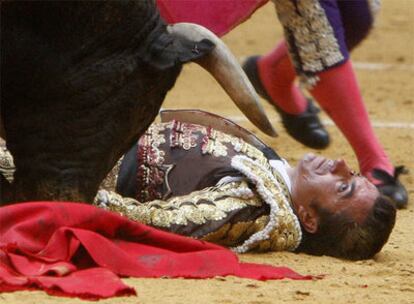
385 69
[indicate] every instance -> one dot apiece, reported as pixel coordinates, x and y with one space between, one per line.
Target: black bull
80 82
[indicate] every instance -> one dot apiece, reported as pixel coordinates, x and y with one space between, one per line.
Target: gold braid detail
282 230
311 40
198 207
7 167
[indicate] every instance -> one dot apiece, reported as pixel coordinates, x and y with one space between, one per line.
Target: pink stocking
277 76
338 94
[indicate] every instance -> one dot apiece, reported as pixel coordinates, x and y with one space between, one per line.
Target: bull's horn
226 70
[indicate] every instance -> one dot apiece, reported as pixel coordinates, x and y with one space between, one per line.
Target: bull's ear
189 50
167 50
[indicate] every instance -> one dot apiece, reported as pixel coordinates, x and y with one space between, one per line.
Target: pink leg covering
277 76
338 94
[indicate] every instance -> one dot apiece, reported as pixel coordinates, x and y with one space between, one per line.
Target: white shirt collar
280 166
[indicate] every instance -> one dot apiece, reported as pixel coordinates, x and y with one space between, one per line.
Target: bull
81 81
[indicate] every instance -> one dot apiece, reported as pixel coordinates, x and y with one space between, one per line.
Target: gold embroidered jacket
196 181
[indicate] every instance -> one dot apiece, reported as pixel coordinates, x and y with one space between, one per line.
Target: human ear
308 219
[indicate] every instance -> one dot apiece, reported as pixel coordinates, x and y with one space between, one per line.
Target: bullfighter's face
321 183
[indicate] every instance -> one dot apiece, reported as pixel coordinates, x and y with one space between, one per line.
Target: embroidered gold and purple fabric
320 33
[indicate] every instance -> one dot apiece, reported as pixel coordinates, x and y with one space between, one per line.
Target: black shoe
392 187
306 127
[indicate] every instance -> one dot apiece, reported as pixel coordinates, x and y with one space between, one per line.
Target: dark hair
340 236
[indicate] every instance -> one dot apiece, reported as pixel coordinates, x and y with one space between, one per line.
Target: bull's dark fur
80 82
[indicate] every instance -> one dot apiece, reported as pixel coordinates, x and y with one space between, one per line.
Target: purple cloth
351 22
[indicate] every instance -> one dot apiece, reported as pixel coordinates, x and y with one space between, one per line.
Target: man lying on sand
202 176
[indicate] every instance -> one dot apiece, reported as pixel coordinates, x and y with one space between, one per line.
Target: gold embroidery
219 236
311 39
242 147
109 182
213 143
237 230
7 167
285 221
154 134
231 234
210 204
280 238
150 160
182 135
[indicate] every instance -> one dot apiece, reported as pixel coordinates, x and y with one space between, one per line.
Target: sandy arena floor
385 68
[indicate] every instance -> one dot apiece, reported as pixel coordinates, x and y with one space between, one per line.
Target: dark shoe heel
306 127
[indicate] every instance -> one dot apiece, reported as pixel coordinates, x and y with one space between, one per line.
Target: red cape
80 250
219 16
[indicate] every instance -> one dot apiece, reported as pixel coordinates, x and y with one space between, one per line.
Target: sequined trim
230 234
7 167
199 207
213 143
150 159
153 171
182 135
281 214
109 182
310 38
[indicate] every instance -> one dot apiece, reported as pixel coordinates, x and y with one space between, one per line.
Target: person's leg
273 77
336 91
339 95
351 22
278 78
